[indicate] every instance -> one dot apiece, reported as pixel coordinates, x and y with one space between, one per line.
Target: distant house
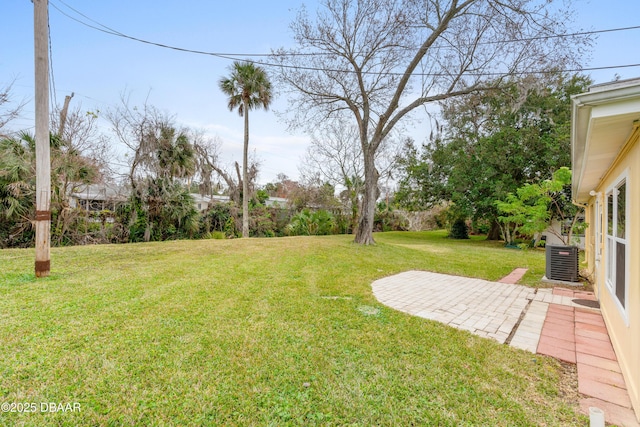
202 202
558 233
605 149
276 202
98 197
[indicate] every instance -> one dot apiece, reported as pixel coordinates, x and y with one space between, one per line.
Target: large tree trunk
245 180
494 232
364 233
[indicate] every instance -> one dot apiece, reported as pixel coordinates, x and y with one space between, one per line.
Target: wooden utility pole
43 154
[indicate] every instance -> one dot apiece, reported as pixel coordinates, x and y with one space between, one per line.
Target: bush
218 235
459 229
306 223
261 223
281 218
388 220
220 217
344 223
15 235
480 226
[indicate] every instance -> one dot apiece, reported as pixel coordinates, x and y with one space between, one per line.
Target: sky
99 68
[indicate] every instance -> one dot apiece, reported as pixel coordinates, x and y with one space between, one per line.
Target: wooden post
63 115
43 155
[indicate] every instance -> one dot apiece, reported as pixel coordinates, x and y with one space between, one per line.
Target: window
617 243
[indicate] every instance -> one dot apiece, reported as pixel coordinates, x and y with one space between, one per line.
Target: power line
109 30
234 56
52 83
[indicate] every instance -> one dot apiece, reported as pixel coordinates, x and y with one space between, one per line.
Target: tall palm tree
248 87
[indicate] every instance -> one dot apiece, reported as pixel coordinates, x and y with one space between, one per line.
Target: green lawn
281 331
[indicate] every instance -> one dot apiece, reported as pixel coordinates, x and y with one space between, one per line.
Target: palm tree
17 190
248 87
17 181
176 154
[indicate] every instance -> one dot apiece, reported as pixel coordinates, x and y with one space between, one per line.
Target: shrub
218 235
299 224
261 223
480 226
306 223
459 229
388 220
219 217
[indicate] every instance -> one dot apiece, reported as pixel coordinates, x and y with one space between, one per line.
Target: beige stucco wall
623 327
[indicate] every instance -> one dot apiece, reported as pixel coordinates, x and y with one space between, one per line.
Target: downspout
591 269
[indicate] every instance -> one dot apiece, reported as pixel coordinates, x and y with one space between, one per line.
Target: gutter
582 104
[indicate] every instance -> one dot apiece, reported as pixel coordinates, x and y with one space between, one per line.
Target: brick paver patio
543 321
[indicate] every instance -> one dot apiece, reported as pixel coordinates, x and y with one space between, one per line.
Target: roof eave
581 129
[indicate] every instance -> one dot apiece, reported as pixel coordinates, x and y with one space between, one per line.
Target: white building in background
98 197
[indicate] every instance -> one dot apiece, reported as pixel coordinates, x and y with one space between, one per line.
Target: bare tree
158 146
334 154
377 61
8 112
79 156
162 159
207 158
79 132
335 157
208 166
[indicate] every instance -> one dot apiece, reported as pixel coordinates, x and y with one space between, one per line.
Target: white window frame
612 240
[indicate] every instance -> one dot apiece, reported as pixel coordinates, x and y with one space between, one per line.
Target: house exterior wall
623 324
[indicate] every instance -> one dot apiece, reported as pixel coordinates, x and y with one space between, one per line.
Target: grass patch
261 332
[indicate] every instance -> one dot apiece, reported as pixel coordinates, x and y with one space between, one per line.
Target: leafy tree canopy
376 62
490 144
532 207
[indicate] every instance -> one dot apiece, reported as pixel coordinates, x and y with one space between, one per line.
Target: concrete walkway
544 321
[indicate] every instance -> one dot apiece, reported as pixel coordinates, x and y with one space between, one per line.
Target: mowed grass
261 332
